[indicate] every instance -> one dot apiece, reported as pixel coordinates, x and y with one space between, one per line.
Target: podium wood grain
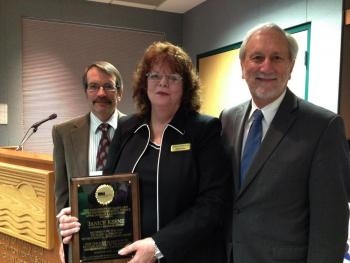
27 214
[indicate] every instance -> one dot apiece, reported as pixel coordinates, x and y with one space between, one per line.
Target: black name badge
108 210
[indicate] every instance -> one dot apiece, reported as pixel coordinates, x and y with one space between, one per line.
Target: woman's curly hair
180 62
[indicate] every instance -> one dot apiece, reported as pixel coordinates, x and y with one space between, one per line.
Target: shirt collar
177 123
269 110
95 121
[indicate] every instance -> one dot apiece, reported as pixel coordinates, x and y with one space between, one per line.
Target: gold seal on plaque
104 194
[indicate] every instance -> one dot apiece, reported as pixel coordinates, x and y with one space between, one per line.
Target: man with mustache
290 202
76 142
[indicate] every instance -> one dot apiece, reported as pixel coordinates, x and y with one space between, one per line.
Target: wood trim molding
347 17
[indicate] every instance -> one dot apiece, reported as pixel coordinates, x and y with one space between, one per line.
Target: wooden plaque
108 211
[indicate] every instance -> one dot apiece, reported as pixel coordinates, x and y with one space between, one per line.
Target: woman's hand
68 224
142 251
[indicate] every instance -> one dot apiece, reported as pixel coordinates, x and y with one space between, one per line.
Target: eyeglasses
171 78
107 87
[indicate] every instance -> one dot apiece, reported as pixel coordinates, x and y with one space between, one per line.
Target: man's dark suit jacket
292 206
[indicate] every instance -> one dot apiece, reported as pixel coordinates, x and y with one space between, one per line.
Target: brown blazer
70 154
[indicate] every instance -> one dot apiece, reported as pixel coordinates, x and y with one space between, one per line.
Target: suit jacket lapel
239 121
80 143
284 118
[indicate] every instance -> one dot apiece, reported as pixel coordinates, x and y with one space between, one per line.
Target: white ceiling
174 6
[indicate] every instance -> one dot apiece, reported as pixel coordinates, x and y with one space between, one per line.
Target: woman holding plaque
179 159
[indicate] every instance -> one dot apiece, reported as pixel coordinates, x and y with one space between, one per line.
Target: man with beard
76 142
290 202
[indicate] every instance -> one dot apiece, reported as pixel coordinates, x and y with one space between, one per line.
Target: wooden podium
27 209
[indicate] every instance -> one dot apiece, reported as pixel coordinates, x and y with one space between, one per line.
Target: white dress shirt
269 112
95 136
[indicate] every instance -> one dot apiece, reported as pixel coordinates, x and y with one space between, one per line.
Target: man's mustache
102 101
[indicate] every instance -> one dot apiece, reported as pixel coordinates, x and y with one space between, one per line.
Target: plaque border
101 179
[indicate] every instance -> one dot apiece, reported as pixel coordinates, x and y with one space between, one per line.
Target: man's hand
68 224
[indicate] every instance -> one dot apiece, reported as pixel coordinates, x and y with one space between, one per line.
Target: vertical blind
55 55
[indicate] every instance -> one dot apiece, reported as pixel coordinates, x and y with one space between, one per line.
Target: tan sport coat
70 154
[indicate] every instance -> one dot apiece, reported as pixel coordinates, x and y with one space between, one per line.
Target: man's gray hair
292 43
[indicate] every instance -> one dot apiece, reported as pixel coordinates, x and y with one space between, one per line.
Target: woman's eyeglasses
171 78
